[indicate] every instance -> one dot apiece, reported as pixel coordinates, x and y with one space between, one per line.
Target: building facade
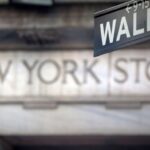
53 89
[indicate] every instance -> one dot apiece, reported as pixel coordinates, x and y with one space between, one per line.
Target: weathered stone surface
35 2
4 2
74 76
74 120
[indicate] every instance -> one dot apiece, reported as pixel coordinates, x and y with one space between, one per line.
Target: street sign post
121 26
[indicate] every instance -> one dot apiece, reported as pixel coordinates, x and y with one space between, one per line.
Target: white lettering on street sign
121 26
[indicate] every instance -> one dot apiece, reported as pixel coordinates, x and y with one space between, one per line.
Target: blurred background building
54 94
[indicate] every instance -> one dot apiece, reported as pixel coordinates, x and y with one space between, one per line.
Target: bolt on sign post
121 26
